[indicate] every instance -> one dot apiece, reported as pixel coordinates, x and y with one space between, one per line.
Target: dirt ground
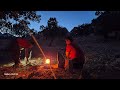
102 61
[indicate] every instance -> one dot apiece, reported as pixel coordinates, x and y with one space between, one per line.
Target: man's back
80 53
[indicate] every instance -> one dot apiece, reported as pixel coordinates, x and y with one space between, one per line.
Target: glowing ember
47 61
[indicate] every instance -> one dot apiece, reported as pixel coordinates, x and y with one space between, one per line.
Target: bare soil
102 61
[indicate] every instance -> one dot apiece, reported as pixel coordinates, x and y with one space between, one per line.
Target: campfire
47 61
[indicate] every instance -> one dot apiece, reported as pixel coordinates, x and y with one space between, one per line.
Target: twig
52 72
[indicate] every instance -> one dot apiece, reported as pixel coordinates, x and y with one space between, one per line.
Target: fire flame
47 61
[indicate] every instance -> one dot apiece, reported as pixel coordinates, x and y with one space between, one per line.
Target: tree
52 30
98 13
61 32
15 20
52 23
52 26
106 22
81 30
42 27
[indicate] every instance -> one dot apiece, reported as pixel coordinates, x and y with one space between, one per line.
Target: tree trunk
51 41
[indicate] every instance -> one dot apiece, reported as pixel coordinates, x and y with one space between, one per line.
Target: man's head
69 40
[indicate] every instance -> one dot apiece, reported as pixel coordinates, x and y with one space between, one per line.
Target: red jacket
24 43
75 52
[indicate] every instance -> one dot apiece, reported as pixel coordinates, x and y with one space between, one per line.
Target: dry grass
102 61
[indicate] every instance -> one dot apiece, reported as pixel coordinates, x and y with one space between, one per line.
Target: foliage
106 22
14 20
81 30
52 30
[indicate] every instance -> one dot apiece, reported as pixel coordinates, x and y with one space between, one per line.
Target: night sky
68 19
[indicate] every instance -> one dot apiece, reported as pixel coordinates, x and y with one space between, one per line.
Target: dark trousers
16 57
14 47
75 64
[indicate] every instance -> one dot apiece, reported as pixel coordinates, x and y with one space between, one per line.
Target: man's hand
66 64
67 54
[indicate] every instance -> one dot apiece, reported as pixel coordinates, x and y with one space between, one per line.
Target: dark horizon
68 19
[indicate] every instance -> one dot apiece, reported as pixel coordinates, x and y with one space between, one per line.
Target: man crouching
74 54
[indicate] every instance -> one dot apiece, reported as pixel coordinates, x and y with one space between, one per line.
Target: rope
52 72
38 46
40 50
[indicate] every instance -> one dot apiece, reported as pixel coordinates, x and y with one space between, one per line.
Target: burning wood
47 61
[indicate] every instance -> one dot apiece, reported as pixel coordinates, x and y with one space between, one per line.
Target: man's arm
67 61
67 55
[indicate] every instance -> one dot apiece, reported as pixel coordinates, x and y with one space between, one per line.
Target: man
74 55
14 48
24 43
